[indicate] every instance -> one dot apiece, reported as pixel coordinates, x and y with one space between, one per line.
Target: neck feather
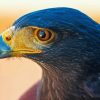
58 85
52 87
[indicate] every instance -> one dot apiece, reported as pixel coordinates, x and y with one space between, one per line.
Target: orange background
17 75
10 10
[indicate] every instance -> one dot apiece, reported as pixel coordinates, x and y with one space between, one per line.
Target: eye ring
44 35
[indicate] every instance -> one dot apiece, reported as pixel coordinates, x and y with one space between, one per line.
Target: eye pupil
42 34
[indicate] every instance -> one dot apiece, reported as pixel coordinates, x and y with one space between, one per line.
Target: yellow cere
23 42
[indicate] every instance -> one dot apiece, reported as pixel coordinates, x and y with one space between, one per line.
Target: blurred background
17 75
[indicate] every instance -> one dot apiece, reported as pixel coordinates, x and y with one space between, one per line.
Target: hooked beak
12 44
4 48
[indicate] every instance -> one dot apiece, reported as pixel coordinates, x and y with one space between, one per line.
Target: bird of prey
66 44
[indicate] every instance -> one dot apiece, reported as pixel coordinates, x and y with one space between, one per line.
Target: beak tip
4 48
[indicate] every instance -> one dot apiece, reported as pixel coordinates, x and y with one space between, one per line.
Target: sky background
17 75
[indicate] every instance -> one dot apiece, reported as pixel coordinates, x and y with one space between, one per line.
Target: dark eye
44 35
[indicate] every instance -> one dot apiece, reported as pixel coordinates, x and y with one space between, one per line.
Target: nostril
8 38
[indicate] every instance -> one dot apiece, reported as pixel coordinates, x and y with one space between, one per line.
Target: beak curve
12 45
4 48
